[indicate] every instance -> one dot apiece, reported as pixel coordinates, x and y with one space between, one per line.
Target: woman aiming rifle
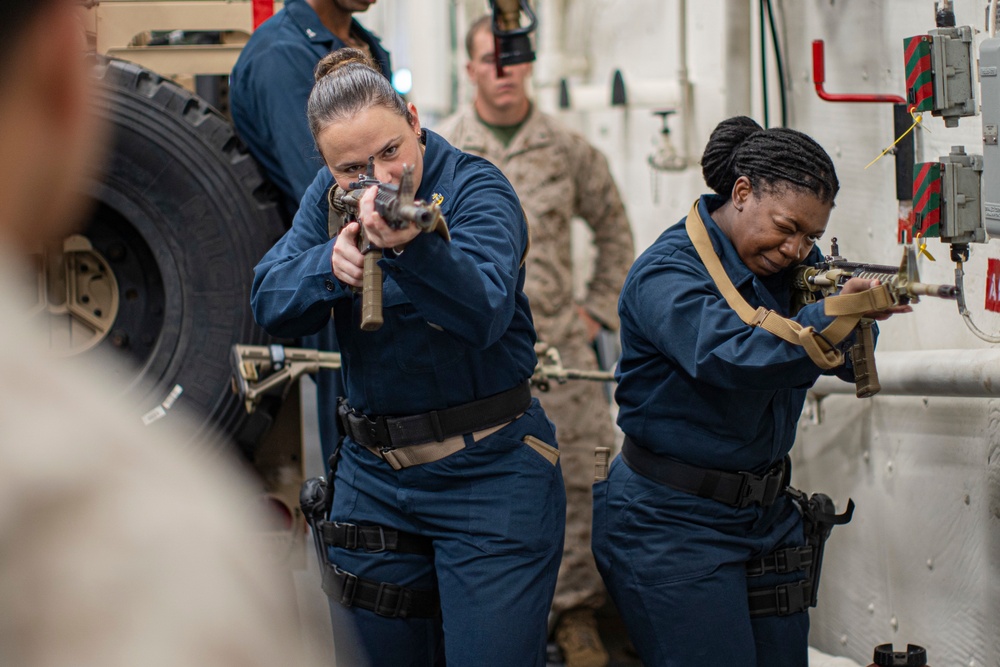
448 505
695 508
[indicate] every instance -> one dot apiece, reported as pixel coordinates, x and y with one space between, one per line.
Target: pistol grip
371 292
866 382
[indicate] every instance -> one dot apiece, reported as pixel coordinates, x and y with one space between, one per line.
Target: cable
763 62
781 67
964 312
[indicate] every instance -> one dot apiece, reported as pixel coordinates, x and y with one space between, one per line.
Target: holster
819 516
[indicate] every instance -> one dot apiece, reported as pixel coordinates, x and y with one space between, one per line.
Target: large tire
182 215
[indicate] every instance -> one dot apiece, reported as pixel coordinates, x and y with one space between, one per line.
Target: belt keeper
759 316
436 425
350 584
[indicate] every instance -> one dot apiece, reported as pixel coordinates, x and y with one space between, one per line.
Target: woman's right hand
855 285
347 262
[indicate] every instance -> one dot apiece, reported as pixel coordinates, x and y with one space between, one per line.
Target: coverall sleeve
282 87
599 204
674 304
294 286
468 286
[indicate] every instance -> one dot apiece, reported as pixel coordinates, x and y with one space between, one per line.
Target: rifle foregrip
866 382
371 292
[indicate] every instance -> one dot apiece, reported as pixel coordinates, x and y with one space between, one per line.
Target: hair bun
342 58
718 160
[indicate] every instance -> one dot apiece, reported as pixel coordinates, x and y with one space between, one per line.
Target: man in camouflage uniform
558 176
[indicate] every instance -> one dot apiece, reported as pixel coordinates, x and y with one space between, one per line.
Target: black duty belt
738 489
437 425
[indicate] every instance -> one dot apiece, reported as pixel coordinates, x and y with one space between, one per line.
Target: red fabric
993 286
262 11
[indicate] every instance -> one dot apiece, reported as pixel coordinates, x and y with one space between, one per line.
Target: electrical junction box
939 73
989 78
947 198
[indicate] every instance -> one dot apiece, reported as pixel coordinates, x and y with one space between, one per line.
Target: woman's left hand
855 285
377 231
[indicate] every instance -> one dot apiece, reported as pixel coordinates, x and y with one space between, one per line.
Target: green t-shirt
505 133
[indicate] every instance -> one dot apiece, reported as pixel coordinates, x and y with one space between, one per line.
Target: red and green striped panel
927 199
919 80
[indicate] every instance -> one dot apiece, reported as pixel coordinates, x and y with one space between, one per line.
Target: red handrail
819 76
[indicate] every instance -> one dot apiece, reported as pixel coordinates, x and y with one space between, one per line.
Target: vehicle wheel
182 214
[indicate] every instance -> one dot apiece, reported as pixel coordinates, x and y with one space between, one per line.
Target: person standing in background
269 91
558 175
271 82
121 547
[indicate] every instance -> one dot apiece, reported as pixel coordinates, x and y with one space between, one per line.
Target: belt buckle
751 490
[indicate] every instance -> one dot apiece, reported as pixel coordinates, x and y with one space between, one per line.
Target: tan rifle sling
820 346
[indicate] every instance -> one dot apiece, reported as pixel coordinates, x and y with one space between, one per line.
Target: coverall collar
741 276
306 18
435 160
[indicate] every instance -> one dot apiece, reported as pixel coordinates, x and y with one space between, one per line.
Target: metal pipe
819 78
967 373
737 60
684 81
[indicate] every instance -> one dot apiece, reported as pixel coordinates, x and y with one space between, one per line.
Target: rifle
270 370
398 208
904 287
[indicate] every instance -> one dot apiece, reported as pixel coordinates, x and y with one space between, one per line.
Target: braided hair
772 159
348 81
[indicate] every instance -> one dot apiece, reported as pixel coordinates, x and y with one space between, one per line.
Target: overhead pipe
645 94
965 373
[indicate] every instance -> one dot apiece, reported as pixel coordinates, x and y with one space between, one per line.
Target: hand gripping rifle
398 208
902 283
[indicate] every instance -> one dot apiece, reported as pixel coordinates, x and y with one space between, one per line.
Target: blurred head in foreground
117 546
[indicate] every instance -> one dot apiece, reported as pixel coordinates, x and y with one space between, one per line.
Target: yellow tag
922 249
917 118
436 199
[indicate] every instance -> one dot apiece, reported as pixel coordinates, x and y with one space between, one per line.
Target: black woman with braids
696 505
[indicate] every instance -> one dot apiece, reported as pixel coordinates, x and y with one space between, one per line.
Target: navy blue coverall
269 91
699 386
457 329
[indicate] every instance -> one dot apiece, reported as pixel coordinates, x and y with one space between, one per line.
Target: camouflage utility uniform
559 176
